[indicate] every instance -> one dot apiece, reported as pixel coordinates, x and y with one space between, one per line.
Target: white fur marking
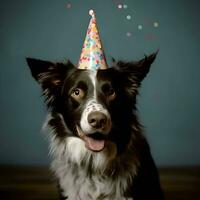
92 75
91 106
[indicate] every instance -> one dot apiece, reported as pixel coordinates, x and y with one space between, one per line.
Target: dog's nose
97 120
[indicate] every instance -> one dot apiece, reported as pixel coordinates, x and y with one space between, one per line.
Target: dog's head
96 106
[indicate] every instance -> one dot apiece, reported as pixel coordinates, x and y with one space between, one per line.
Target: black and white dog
96 141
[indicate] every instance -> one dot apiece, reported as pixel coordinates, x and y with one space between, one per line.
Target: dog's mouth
95 142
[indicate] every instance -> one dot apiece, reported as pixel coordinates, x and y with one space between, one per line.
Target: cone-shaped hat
92 55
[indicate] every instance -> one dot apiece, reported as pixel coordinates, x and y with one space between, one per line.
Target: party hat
92 55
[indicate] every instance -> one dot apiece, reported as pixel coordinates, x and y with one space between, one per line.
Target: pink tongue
94 145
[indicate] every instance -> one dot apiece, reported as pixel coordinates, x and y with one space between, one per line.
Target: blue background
170 95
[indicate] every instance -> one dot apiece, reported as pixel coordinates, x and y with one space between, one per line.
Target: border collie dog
99 151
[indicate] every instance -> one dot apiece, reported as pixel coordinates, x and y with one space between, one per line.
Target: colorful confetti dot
128 34
120 6
140 27
128 17
156 24
125 6
69 5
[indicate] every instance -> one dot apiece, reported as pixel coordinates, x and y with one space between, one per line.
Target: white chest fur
81 187
85 175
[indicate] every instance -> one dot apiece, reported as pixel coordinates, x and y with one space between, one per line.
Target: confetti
120 6
128 17
156 24
128 34
140 27
68 5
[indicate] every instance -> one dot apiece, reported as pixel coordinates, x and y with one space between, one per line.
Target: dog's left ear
137 69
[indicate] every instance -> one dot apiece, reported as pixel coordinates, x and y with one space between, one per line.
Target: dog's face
96 106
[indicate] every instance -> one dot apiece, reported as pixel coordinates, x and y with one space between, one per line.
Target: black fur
58 80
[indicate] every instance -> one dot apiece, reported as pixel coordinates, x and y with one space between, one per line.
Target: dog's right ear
45 70
49 75
38 67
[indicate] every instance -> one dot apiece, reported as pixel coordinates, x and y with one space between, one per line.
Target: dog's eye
109 91
77 93
111 94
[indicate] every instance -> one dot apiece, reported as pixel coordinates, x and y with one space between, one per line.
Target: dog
97 144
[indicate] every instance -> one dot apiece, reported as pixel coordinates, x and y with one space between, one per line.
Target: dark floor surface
36 183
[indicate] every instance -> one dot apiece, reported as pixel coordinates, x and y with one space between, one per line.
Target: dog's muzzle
95 126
